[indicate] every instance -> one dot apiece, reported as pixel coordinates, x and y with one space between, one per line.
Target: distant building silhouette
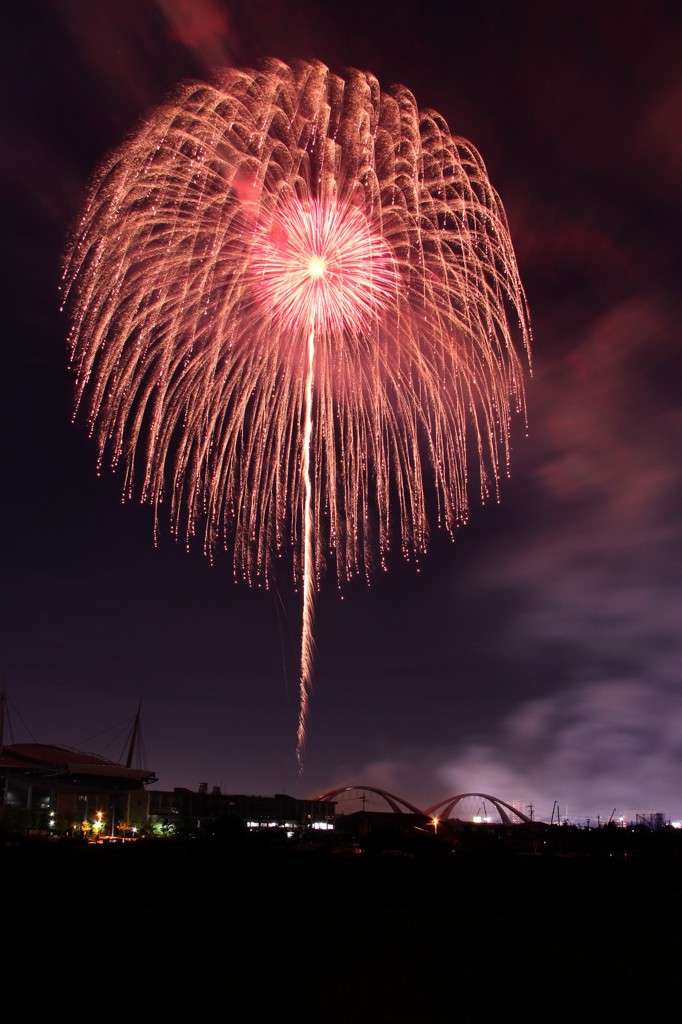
257 812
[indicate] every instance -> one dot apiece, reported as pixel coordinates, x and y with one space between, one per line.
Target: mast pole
133 737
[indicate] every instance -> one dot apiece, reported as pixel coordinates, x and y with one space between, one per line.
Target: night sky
539 657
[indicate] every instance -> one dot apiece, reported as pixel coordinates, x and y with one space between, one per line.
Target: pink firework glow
292 297
320 266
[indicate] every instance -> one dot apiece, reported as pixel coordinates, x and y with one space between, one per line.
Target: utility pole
530 811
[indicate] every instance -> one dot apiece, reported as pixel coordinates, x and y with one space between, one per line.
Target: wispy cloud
595 576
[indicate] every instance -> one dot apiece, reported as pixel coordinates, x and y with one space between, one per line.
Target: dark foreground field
155 929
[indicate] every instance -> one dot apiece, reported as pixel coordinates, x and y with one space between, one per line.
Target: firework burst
291 299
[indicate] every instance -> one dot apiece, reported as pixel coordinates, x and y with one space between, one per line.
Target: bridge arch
506 811
396 803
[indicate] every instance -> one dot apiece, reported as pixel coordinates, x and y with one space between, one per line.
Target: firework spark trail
294 302
307 637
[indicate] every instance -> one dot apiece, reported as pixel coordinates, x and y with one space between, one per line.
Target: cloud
596 749
203 26
591 748
595 619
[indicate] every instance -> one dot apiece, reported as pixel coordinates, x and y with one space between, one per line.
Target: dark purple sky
540 656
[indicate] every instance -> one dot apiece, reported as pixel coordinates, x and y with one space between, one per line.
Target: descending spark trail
307 642
319 266
291 297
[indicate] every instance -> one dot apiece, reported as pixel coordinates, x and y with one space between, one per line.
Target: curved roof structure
68 766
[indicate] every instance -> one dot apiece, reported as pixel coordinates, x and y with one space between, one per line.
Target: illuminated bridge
355 796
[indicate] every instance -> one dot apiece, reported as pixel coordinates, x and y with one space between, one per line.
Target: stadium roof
51 760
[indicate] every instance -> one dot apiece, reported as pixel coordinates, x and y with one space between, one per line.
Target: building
58 789
60 786
257 812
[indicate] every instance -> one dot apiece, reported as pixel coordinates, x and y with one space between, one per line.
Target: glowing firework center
319 266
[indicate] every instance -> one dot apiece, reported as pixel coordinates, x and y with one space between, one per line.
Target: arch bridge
506 811
396 803
441 810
